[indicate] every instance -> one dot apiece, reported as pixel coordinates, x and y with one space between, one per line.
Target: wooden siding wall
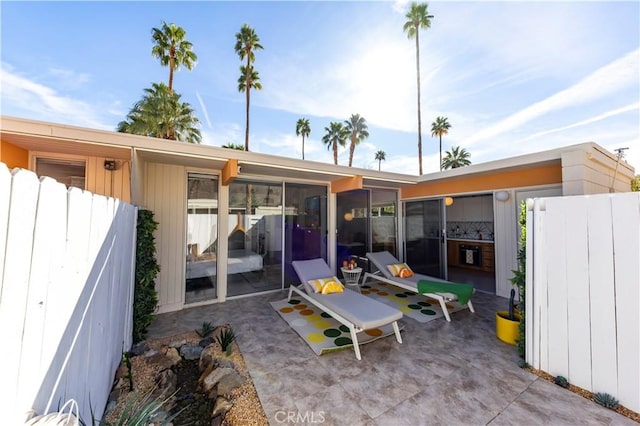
110 183
165 188
583 288
13 156
67 261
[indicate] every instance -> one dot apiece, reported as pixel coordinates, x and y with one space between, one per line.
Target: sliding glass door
305 225
202 236
424 240
255 237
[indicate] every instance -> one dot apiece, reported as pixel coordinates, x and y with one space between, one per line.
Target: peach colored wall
543 175
13 156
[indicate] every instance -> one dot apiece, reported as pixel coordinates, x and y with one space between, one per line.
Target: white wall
67 263
583 292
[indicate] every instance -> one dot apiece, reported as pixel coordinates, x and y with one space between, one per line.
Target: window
68 172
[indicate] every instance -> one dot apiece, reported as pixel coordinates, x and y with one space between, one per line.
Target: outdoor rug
412 305
321 332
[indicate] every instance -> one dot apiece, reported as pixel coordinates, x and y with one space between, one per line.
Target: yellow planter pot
506 329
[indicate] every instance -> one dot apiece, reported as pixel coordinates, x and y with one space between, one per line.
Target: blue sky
511 77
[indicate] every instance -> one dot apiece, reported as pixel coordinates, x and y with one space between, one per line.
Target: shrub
145 299
206 329
561 381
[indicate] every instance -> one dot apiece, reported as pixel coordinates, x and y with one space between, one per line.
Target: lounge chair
354 310
383 258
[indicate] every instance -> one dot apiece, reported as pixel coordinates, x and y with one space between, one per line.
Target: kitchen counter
470 240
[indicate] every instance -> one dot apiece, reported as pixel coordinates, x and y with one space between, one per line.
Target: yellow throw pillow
318 284
405 272
332 287
397 268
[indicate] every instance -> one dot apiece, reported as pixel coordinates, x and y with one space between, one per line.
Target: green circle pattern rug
412 305
321 332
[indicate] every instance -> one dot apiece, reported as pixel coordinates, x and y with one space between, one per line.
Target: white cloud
605 81
22 97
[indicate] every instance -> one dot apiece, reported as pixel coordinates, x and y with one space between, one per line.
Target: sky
511 77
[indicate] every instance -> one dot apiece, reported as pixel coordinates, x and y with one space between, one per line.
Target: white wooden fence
66 293
583 292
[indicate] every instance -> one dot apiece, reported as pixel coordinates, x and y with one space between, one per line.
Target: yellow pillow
401 270
319 283
332 287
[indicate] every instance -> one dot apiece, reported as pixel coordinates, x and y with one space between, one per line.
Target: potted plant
508 323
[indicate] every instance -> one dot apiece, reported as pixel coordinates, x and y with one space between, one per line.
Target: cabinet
488 259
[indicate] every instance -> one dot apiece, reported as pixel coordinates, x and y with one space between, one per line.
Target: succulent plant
226 337
206 329
523 364
606 400
561 381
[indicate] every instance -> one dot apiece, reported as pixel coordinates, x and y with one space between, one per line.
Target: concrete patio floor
455 373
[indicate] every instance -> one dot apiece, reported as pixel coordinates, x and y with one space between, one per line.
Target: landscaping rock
177 344
206 341
166 381
226 380
224 362
150 353
221 406
173 355
139 348
190 352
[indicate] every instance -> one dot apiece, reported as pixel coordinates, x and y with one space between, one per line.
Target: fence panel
626 246
67 262
584 285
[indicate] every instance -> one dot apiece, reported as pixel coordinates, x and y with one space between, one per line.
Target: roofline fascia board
229 172
181 154
346 184
299 169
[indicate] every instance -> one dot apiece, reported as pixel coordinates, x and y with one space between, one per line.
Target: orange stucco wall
543 175
13 156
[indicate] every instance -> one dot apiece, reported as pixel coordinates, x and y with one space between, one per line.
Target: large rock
190 352
173 355
226 380
221 406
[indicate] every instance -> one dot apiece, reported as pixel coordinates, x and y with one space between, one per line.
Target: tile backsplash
470 230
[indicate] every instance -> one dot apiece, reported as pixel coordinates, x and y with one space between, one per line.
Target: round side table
352 277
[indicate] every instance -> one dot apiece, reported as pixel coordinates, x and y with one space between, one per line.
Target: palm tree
247 41
232 145
457 157
172 49
335 135
438 128
418 17
358 131
160 114
380 156
303 129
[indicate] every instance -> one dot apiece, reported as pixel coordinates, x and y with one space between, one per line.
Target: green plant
225 338
606 400
561 381
206 329
127 363
142 410
145 299
519 278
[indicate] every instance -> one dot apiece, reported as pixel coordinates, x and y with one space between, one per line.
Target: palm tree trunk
419 112
246 128
247 82
335 153
172 64
440 151
379 161
303 147
352 149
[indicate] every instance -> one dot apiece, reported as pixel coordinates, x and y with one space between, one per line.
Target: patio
454 373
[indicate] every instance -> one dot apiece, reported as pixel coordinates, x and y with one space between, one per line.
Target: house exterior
231 222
